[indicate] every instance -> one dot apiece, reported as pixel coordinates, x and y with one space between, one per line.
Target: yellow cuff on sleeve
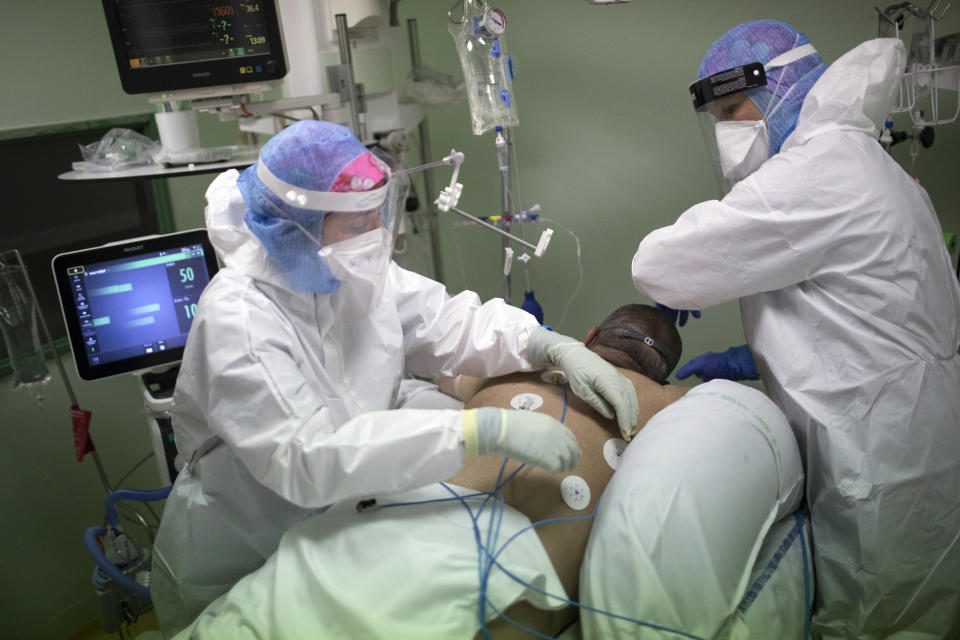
471 444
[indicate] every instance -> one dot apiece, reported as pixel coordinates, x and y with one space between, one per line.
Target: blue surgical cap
762 41
309 154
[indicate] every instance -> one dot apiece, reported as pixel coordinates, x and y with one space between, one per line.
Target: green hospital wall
607 145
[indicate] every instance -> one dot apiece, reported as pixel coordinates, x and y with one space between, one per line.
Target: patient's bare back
541 495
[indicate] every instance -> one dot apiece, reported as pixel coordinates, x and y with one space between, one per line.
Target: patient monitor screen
131 312
164 45
177 31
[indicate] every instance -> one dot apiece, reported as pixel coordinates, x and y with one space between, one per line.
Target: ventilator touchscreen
130 306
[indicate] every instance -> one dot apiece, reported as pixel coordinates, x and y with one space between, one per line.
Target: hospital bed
698 535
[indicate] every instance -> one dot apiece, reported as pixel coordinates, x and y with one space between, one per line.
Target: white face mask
743 146
360 264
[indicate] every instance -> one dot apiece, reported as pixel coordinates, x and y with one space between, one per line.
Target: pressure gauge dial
494 22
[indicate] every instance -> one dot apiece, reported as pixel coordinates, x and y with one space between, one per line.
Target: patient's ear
591 336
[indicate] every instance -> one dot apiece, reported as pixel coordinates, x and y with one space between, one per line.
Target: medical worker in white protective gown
297 351
850 308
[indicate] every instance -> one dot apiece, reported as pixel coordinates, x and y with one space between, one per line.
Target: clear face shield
358 228
735 139
398 188
348 214
734 128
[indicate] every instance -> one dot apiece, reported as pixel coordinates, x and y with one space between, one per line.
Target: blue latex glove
677 313
736 363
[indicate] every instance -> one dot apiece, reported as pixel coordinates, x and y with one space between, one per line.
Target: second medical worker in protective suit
850 308
297 351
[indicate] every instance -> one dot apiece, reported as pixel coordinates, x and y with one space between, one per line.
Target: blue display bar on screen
149 262
137 263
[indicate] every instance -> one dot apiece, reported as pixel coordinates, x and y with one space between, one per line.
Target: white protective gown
850 307
280 409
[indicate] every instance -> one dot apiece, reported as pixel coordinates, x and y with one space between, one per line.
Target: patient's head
640 338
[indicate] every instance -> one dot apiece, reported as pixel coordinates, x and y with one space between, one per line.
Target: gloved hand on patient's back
677 313
527 436
591 377
736 363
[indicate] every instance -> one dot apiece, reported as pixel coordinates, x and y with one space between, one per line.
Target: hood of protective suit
236 245
855 93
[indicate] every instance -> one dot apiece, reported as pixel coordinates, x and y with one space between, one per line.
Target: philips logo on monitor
133 248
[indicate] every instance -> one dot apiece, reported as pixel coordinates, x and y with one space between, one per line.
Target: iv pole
505 195
63 373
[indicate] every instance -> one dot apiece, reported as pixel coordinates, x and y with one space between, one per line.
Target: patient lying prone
403 569
539 495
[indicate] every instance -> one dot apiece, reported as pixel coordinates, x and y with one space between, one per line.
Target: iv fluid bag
487 73
18 323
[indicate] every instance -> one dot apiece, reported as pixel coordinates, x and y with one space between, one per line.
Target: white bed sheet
680 528
399 573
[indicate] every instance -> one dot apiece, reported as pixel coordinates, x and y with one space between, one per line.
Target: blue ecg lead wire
487 560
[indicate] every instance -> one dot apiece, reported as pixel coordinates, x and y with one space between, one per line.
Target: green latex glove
527 436
590 376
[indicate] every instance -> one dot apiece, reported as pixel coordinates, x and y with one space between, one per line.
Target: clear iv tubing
576 289
566 308
576 239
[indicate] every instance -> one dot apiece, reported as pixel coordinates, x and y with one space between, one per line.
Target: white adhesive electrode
575 492
613 452
526 401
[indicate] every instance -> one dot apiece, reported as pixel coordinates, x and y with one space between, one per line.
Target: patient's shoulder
654 391
500 390
673 392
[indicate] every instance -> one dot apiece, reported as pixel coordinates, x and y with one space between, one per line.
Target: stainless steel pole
56 358
343 40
